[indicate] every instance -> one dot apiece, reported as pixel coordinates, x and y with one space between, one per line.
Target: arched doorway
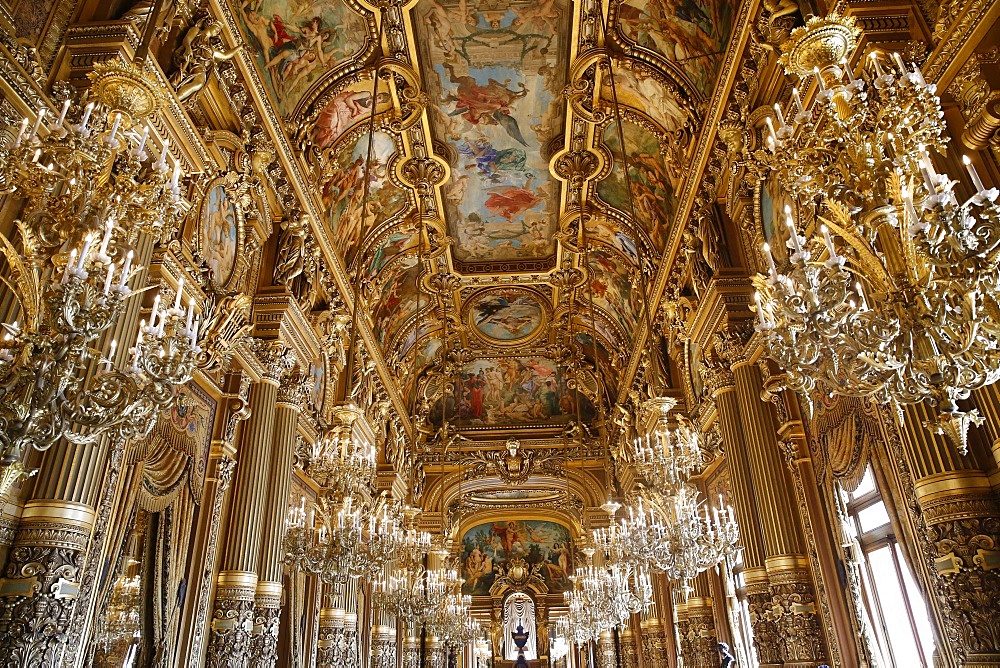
519 611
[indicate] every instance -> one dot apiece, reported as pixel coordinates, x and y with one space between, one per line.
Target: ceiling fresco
494 72
300 41
690 34
507 316
353 208
654 181
512 391
491 94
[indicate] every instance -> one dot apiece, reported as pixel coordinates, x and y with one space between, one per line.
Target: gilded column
722 384
236 592
988 402
702 641
331 637
436 653
411 647
264 646
684 648
962 521
793 597
629 651
383 640
350 633
43 582
654 648
607 657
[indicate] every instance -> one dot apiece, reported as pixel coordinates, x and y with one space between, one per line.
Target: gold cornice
755 575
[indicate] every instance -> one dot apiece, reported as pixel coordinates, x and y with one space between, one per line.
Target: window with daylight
739 613
893 602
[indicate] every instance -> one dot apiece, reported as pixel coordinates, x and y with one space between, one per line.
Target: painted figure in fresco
475 386
487 105
490 162
509 202
340 113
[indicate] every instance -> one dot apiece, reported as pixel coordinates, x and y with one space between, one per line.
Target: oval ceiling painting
506 316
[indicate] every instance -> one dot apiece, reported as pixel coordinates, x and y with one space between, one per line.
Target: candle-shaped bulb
770 259
62 114
976 181
179 294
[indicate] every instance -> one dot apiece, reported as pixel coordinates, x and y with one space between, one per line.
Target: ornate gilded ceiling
495 121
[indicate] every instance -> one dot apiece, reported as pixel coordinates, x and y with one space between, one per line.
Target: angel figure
196 56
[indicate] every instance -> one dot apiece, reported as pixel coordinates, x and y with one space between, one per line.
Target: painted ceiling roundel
506 316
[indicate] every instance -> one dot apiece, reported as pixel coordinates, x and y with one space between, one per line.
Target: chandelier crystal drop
895 290
91 183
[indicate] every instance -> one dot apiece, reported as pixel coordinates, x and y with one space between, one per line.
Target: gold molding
951 483
786 562
65 512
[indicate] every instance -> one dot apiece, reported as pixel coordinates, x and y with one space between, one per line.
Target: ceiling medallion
506 316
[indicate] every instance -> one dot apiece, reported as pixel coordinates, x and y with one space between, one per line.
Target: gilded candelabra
894 291
91 183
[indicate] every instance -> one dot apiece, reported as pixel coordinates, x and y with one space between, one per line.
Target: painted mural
219 234
343 192
654 182
644 92
691 33
612 234
396 242
494 73
512 391
612 289
507 316
487 547
344 110
397 300
773 200
299 40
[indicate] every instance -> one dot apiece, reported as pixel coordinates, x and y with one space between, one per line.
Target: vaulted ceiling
497 122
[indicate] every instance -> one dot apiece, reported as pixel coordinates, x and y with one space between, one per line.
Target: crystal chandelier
336 542
91 184
895 291
345 534
452 622
669 534
604 596
412 592
122 624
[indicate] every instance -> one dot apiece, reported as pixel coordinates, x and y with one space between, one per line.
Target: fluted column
607 657
233 618
46 575
411 647
331 637
988 402
264 646
793 598
962 528
722 384
435 654
350 634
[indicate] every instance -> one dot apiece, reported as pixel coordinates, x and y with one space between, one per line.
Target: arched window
519 610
